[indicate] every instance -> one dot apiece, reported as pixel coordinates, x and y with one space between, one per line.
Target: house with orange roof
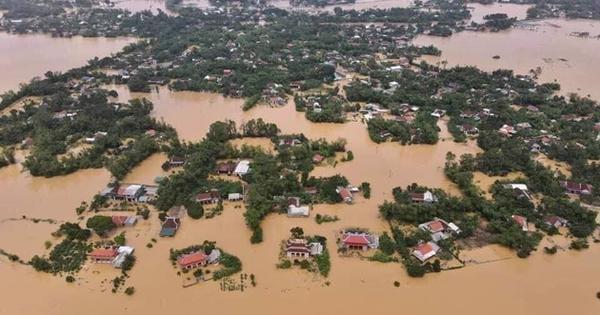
424 251
345 194
193 260
440 229
359 241
103 255
521 221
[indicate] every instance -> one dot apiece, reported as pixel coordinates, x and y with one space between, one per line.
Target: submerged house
235 197
176 161
127 192
556 221
123 252
345 194
297 248
424 251
242 168
170 227
212 196
103 255
124 220
521 221
193 260
440 229
359 241
226 168
520 190
424 197
576 188
295 209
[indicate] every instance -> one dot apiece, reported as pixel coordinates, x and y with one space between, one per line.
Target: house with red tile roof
193 260
297 248
424 251
208 197
440 229
318 158
521 221
424 197
556 221
226 168
576 188
103 255
345 194
124 220
359 241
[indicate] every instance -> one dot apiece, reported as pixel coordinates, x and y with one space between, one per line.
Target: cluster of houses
439 230
273 94
111 255
131 192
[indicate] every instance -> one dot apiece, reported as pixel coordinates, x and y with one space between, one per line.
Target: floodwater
28 56
478 11
354 286
385 165
155 5
572 61
358 5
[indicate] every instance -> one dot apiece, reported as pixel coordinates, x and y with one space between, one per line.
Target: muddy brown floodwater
543 284
355 286
572 61
26 56
155 5
478 11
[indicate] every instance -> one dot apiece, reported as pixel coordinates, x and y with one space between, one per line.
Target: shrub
101 224
195 210
120 239
397 284
130 291
257 236
70 279
285 264
550 250
579 244
414 268
366 190
323 263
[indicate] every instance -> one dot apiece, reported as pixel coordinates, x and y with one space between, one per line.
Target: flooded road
572 61
28 56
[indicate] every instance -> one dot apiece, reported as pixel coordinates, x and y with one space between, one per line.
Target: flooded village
350 194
